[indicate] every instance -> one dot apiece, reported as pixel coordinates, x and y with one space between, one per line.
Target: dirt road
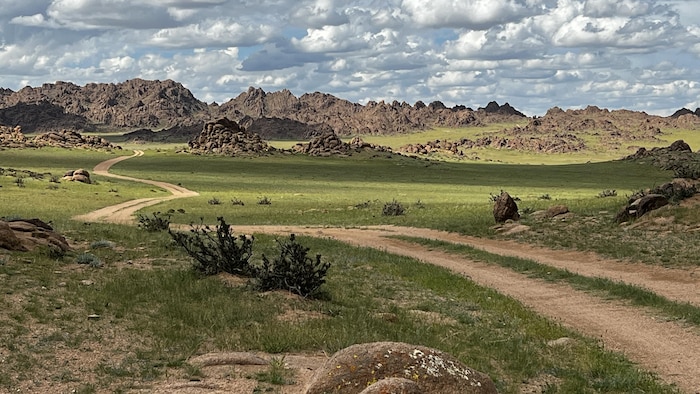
124 212
667 348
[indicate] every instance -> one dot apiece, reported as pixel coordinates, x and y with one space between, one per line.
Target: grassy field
155 312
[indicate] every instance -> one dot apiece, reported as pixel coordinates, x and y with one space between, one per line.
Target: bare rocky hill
347 118
170 108
136 103
168 105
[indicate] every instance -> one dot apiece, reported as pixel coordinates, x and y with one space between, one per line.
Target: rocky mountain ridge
168 105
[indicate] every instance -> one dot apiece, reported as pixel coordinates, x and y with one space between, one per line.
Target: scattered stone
505 208
93 317
87 282
350 370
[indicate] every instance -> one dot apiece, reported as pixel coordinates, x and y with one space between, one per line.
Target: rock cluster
72 139
645 201
677 157
393 367
557 143
329 144
12 137
226 137
79 175
28 234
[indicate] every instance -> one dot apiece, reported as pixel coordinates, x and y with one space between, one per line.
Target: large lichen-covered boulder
357 368
505 208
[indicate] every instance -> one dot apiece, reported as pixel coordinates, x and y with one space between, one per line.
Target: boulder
641 206
28 234
8 239
505 208
357 368
79 175
556 210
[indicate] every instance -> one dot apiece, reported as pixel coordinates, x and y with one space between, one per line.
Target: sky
642 55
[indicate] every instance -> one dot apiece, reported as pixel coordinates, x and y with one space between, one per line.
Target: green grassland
167 313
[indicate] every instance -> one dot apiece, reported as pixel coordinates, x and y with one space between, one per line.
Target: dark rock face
356 369
505 208
329 144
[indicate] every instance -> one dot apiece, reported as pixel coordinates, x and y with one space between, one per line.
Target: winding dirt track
124 212
667 348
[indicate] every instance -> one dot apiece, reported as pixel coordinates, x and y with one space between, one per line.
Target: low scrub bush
89 259
393 208
158 221
607 193
216 250
264 201
214 201
236 201
293 270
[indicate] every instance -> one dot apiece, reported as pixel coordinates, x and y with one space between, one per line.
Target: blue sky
535 54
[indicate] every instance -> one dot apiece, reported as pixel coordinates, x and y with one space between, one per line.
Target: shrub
293 270
687 171
53 252
55 179
393 208
236 201
102 244
214 201
19 181
89 259
419 204
222 252
158 221
264 201
607 193
52 186
544 197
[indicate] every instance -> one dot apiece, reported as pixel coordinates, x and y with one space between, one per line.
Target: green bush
158 221
89 259
292 270
393 208
216 250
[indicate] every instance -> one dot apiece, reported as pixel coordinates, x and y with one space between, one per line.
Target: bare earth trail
667 348
124 212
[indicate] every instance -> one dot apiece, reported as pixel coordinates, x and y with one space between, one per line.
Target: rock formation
79 175
393 366
14 138
225 137
329 144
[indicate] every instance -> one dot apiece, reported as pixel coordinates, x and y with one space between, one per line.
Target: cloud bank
535 54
